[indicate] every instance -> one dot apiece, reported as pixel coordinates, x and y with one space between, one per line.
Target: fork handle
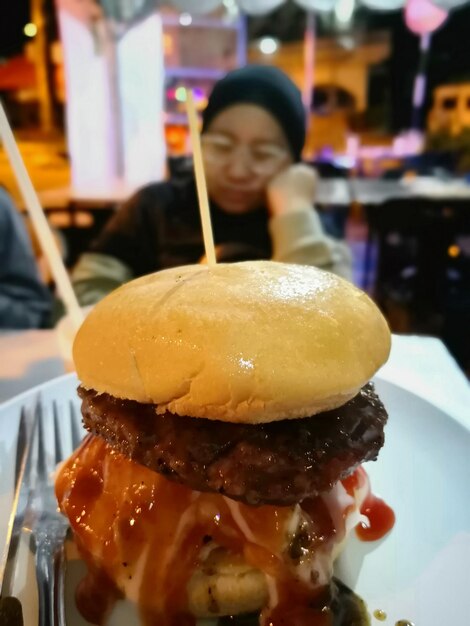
50 573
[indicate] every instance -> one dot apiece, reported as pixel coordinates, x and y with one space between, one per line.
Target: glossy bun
242 342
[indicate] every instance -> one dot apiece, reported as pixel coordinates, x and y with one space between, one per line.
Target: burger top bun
241 342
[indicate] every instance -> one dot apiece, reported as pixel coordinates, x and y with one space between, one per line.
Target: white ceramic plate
419 572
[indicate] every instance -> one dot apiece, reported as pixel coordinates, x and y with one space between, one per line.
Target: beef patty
278 463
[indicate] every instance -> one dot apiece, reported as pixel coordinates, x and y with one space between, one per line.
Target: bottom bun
226 585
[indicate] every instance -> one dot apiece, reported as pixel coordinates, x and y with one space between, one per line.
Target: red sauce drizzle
381 519
95 596
115 509
381 516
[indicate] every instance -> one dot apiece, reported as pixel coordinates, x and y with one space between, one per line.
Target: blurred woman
25 302
261 197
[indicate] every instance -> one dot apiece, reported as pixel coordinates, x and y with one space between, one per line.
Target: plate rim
36 390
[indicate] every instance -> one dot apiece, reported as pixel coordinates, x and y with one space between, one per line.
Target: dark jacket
25 302
159 227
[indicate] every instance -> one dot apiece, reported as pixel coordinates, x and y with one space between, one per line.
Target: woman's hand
293 189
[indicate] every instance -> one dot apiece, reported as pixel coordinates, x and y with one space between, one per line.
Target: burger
229 409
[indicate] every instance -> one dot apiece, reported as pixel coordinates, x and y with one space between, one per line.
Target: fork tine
21 443
22 470
41 465
58 447
48 526
77 435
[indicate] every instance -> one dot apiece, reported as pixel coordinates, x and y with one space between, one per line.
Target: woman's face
243 149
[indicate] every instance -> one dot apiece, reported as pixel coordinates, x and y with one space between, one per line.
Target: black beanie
267 87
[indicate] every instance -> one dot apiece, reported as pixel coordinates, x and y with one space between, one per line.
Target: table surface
377 191
330 191
421 365
28 358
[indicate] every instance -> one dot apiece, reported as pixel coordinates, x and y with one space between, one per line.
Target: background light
268 45
30 30
259 7
180 94
320 6
344 10
347 42
384 5
231 7
185 19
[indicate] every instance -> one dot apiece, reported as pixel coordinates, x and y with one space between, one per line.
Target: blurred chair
333 217
421 269
425 164
328 169
180 166
429 163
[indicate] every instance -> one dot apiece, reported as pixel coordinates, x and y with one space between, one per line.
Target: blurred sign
17 73
114 102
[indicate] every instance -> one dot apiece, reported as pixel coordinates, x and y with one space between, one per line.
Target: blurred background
94 90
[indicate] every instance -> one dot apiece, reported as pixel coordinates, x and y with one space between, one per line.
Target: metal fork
49 527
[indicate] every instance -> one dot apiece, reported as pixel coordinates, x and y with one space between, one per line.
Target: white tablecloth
27 358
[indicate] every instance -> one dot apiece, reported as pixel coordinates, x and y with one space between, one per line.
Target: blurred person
261 196
25 302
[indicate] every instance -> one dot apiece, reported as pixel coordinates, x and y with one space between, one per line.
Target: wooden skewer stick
40 223
200 179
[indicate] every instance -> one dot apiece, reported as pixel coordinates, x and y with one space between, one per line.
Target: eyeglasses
264 158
